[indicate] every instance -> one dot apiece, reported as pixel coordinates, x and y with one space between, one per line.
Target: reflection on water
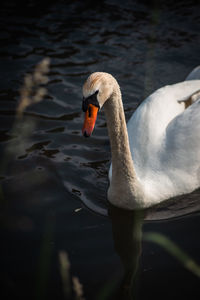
127 235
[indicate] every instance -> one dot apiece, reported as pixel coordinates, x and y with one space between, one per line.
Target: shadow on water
175 207
178 206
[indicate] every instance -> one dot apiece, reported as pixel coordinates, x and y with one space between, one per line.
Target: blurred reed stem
33 90
174 250
70 286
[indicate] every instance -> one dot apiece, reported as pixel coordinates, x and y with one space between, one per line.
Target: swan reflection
127 236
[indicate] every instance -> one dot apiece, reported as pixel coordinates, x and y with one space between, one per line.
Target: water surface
53 181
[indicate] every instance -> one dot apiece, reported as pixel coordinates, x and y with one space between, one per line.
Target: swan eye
85 105
90 100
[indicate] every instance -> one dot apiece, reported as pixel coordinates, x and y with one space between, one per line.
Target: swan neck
122 163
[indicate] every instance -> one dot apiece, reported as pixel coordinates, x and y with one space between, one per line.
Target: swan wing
180 150
151 120
165 144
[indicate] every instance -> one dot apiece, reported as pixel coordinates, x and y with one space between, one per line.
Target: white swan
159 157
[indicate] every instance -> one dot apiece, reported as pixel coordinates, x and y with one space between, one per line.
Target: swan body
157 156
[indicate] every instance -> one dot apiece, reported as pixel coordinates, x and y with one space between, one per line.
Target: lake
54 181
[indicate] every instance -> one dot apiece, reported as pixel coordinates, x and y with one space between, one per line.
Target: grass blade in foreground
174 250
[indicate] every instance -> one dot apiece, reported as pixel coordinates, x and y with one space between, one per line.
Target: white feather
164 141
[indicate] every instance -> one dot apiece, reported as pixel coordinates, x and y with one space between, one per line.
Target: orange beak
90 119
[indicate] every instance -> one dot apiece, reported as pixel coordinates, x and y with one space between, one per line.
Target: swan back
195 74
162 134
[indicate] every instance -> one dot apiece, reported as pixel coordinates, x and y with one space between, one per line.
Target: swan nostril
85 134
89 112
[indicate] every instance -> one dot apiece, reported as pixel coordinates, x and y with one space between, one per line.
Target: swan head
97 89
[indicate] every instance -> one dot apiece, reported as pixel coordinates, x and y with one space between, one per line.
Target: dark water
50 174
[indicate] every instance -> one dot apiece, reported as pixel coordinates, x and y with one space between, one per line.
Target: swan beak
90 119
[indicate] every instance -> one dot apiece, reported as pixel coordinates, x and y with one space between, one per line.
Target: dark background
48 170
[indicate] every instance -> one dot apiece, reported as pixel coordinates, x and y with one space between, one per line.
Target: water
53 181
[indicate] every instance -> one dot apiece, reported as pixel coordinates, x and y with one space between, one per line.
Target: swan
157 155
